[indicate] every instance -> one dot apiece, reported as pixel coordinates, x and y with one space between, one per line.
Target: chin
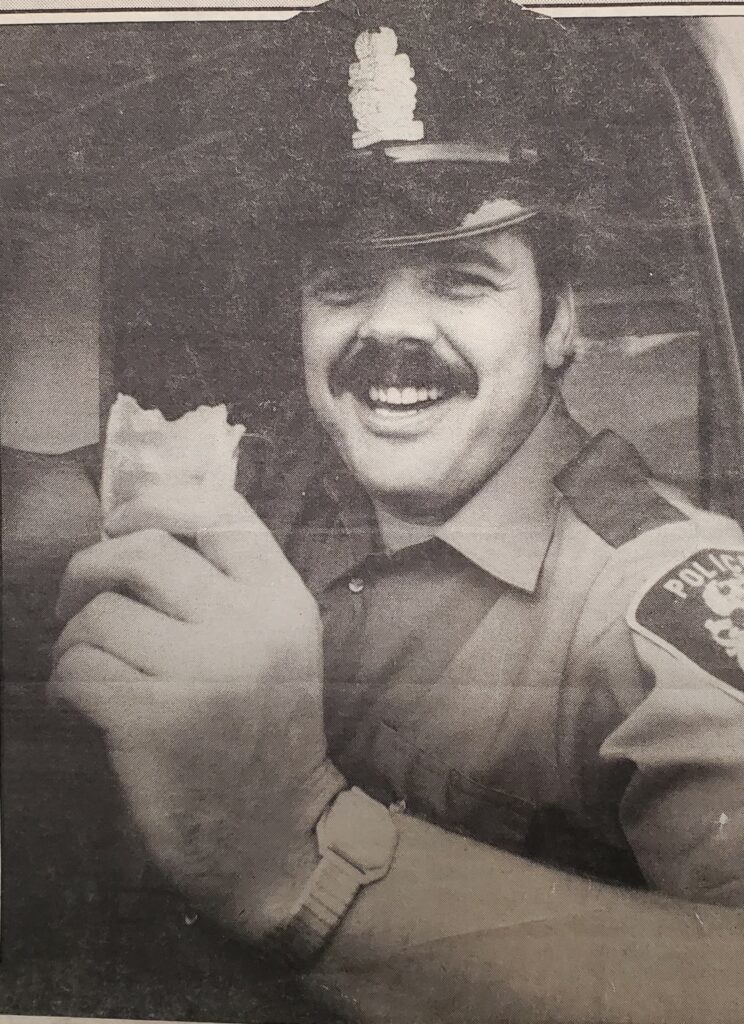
407 490
386 481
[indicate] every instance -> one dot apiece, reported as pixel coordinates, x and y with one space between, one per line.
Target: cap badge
382 92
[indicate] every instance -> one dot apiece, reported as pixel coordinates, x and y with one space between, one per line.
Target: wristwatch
357 837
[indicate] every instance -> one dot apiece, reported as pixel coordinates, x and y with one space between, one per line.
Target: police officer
457 626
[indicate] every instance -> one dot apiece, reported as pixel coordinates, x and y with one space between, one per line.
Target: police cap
420 122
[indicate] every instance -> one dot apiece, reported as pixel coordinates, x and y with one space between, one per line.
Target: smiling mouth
398 401
401 380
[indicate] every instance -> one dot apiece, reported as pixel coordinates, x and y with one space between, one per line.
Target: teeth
404 396
390 396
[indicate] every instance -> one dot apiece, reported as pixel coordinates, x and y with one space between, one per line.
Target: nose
400 310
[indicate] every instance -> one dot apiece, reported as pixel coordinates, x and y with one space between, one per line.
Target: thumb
250 556
246 551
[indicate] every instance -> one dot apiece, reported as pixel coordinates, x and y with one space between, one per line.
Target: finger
178 508
250 555
246 551
153 567
93 681
135 634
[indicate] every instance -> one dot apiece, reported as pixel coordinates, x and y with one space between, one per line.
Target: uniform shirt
400 612
488 677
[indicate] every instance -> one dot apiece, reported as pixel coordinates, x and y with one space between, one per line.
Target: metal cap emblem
382 92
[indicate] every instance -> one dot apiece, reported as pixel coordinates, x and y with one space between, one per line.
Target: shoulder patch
607 487
696 610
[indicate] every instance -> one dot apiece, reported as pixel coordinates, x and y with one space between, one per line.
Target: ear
559 341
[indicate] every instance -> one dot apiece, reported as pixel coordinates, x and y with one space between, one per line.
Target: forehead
503 252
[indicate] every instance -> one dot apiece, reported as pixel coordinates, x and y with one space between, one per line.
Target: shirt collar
507 526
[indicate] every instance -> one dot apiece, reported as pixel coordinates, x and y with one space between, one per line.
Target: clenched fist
203 666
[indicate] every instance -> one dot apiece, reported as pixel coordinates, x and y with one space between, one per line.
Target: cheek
501 337
324 335
314 359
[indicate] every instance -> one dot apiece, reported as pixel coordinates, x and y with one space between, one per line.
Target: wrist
356 841
284 854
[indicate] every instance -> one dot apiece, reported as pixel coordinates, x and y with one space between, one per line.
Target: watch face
360 830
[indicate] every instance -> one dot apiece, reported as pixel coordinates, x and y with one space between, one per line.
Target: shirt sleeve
683 810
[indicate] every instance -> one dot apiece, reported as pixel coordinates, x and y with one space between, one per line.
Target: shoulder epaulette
607 487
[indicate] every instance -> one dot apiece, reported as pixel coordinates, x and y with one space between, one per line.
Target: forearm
459 931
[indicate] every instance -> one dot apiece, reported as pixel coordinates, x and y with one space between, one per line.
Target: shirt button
356 585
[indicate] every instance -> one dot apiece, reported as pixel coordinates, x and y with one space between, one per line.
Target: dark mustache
399 364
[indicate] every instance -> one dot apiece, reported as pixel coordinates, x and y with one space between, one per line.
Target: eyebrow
446 252
464 252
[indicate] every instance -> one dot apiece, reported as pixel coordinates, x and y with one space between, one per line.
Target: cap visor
450 234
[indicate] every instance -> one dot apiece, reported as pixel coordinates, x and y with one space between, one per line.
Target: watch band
332 889
356 841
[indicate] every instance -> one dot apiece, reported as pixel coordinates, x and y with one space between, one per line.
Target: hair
555 248
556 251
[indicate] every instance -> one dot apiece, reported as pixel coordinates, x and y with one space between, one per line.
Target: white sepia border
51 12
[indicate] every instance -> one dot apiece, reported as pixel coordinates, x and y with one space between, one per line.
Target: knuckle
77 680
74 583
75 664
87 619
101 608
63 643
90 625
79 564
153 539
72 660
142 553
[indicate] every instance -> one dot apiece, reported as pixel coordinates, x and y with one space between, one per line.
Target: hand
203 668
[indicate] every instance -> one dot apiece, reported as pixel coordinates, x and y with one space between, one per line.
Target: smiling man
421 645
427 368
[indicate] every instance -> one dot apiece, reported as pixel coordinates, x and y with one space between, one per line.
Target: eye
339 286
460 282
